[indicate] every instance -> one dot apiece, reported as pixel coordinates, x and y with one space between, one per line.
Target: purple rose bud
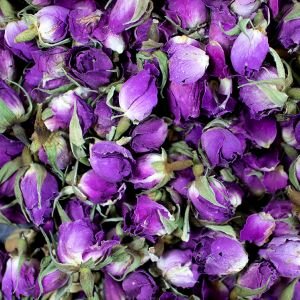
104 121
52 23
39 188
189 13
218 66
23 282
252 59
221 146
138 96
147 217
222 19
258 275
139 285
187 64
289 30
275 180
77 4
178 269
149 135
258 228
217 100
82 23
62 151
290 131
40 3
110 161
76 243
283 253
7 65
218 204
281 211
182 181
9 149
149 171
62 108
49 68
23 50
119 268
263 132
96 189
245 8
250 94
112 289
7 187
184 101
77 209
54 281
125 14
90 66
12 108
170 296
219 254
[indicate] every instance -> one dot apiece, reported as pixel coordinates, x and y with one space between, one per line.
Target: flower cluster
150 149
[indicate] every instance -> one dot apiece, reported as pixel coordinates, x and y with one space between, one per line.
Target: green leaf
227 229
7 116
205 190
10 168
163 65
288 292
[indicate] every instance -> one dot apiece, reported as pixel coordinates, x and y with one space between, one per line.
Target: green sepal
18 192
237 29
293 174
276 97
279 64
217 123
46 267
7 9
140 10
76 138
186 225
67 268
7 117
51 151
26 35
202 184
294 14
87 281
10 168
163 65
170 225
239 292
288 292
227 229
